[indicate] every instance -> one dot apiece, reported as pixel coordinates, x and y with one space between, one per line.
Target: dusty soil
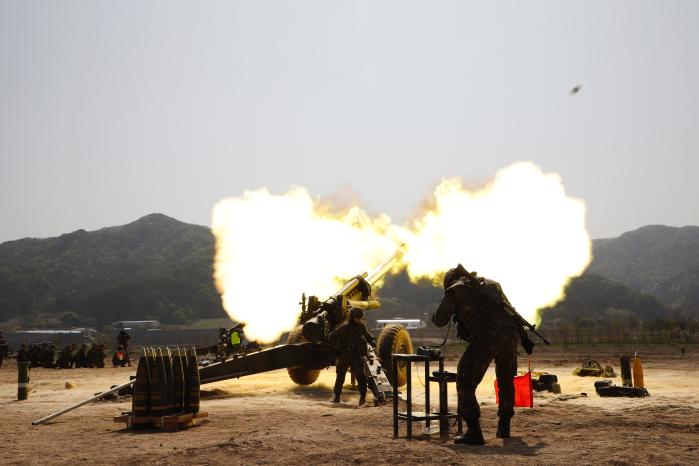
266 419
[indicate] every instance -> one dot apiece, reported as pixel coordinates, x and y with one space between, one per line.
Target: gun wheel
301 375
394 339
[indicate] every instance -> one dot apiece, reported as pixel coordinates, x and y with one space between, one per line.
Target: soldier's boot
336 395
503 427
473 435
362 399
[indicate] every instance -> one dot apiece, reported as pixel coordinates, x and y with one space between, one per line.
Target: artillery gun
307 350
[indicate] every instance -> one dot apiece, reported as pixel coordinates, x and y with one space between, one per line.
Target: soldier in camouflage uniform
476 305
351 340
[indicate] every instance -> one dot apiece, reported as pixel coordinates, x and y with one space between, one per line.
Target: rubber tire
394 338
300 375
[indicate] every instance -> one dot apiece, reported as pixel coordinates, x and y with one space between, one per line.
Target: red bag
524 392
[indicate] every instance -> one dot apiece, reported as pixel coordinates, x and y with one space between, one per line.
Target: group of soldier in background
71 356
44 355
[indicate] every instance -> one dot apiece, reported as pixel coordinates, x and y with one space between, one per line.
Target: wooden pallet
171 422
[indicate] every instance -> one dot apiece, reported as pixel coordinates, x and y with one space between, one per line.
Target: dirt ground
266 419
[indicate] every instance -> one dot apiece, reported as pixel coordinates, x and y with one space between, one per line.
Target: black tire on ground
300 375
394 339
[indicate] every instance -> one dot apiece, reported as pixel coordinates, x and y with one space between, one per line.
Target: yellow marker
637 372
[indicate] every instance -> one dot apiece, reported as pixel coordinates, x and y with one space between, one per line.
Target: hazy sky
113 110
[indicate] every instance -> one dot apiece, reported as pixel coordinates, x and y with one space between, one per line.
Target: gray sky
113 110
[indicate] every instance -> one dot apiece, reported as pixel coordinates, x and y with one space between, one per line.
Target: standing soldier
3 348
477 306
351 340
235 339
123 339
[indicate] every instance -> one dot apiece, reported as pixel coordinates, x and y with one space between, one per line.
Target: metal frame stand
441 377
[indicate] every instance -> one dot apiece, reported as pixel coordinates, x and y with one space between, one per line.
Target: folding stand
441 377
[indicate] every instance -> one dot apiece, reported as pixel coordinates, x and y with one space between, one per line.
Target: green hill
603 301
153 268
658 260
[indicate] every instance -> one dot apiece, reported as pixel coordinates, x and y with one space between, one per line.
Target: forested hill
160 268
658 260
153 268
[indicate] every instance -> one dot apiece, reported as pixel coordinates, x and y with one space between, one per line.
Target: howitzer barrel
377 274
350 285
386 267
356 292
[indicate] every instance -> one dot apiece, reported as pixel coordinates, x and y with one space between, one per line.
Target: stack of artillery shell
141 388
166 383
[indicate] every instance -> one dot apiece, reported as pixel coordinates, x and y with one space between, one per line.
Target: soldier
222 344
80 358
92 355
47 356
34 355
99 356
65 357
123 340
3 348
235 339
351 340
476 305
119 357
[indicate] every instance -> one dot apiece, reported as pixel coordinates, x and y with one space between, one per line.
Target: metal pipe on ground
82 403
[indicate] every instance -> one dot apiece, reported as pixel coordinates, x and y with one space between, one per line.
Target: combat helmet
356 312
452 275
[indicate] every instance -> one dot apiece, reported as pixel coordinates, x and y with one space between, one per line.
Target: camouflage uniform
48 354
80 358
65 358
34 355
99 356
496 341
351 340
491 335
